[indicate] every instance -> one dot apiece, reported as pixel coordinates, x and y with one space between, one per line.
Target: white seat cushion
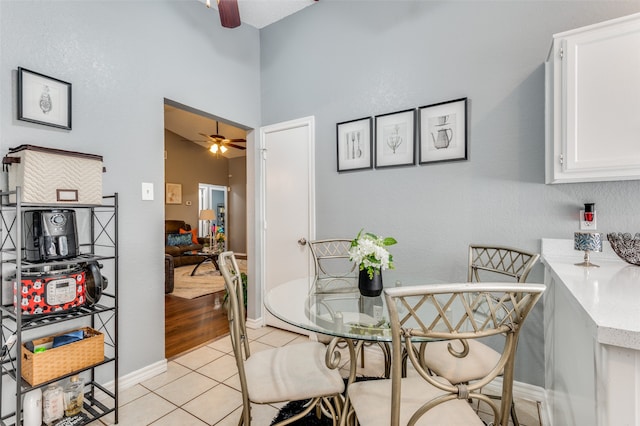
372 403
479 361
291 373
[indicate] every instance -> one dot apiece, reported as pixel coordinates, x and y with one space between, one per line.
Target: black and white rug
294 407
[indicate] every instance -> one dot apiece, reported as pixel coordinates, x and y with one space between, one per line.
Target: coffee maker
50 235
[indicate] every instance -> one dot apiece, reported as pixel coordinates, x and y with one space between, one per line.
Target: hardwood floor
190 323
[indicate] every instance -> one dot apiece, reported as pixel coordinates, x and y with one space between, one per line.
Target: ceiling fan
229 12
220 143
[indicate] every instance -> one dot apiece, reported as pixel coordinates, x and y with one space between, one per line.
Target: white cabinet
591 337
593 103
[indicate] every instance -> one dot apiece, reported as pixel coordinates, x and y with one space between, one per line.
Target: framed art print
443 131
395 139
173 193
43 100
354 145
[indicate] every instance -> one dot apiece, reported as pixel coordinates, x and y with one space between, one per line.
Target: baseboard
254 323
138 376
526 391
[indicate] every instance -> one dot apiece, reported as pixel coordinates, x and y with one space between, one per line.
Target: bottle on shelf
73 396
32 408
52 404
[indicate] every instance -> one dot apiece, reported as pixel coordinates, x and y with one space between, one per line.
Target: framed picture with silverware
443 131
395 139
354 145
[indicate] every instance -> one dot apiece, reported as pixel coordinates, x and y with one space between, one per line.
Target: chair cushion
291 373
372 403
479 361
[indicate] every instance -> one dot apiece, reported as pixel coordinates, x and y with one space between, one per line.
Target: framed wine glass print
354 145
443 131
43 100
395 139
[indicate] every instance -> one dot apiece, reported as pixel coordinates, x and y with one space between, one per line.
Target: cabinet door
597 91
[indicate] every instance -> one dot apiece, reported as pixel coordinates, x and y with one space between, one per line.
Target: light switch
147 191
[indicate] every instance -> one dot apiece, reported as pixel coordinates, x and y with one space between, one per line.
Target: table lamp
208 215
587 241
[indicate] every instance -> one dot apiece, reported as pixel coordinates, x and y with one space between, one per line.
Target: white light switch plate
147 191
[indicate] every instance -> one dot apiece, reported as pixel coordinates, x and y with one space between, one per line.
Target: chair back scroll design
463 312
331 258
502 260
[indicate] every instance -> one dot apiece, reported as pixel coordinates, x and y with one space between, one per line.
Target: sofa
177 243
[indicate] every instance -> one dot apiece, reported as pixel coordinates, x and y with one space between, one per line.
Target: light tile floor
202 388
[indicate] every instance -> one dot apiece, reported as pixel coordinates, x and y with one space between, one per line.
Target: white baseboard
528 392
138 376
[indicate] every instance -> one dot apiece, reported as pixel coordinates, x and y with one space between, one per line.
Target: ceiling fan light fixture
214 148
223 149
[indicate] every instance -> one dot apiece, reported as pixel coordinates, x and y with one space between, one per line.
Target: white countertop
609 294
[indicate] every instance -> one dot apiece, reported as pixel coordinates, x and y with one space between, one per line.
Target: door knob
302 241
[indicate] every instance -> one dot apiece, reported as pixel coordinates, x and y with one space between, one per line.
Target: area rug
207 280
293 407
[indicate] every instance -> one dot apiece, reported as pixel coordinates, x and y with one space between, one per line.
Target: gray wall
350 59
123 59
189 164
237 200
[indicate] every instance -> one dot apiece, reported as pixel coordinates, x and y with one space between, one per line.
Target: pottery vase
370 287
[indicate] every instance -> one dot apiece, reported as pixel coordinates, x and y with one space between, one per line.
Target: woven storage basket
54 176
41 367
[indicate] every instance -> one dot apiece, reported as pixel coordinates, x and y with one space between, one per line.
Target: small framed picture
443 131
354 145
174 193
395 139
43 100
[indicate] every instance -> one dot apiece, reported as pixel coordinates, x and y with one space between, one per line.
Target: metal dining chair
289 373
332 265
464 312
463 365
331 258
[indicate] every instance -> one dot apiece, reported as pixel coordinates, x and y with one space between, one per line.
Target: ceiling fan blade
206 136
229 13
234 140
233 145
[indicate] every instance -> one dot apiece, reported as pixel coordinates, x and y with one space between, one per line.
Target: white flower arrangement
370 253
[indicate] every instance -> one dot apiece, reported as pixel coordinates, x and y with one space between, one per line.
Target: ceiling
260 13
189 125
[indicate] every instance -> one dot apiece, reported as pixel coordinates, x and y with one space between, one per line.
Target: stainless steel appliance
50 235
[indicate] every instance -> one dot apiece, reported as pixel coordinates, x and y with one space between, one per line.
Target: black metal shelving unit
98 242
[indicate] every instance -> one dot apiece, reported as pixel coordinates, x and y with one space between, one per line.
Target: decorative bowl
626 246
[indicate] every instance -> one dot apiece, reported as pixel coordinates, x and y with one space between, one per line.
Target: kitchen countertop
609 294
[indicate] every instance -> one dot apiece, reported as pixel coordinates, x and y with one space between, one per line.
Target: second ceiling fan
221 143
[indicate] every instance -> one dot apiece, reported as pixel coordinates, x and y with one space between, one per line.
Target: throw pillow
194 234
179 239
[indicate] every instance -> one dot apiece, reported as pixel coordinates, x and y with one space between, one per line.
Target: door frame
309 123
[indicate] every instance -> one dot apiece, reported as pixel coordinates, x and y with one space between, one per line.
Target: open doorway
211 180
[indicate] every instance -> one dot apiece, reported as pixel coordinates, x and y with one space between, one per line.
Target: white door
288 204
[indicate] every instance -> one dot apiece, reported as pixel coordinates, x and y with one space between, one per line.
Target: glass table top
331 306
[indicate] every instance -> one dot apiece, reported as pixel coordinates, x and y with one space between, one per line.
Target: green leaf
389 241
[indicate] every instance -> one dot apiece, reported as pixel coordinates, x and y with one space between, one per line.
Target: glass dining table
334 307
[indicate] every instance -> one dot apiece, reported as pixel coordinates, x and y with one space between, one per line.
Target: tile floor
202 388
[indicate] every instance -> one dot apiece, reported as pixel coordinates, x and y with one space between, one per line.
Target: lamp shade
207 214
587 241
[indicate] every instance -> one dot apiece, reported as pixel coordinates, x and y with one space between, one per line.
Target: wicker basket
41 367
